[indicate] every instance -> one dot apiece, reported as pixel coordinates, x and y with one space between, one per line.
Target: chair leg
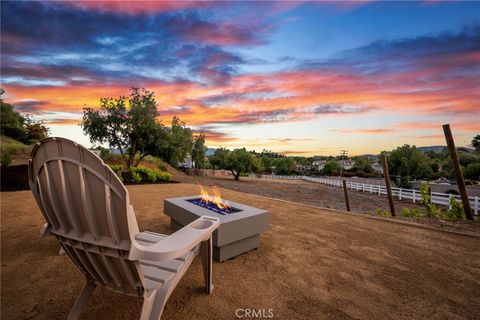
153 305
206 253
82 300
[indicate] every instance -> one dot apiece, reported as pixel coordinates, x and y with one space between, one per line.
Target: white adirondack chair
87 209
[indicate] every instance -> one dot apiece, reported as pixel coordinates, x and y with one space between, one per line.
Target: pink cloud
136 7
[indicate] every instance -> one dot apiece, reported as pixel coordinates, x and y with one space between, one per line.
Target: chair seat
158 273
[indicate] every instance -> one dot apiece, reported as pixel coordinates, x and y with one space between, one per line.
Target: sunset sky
299 78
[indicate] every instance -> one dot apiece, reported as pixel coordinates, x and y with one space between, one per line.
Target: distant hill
439 149
210 151
369 156
436 149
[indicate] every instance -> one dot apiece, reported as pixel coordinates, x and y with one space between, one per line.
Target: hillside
18 151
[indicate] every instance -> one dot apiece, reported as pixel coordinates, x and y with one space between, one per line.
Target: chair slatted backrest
86 206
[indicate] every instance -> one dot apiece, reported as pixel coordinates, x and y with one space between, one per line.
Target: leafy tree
467 158
11 122
362 164
198 151
126 123
237 161
476 142
472 171
219 158
408 162
435 166
285 165
34 130
331 167
20 127
177 143
267 163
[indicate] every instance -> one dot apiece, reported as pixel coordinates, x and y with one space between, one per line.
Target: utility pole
458 171
343 153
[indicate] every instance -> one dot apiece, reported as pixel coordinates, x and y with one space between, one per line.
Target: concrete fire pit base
238 233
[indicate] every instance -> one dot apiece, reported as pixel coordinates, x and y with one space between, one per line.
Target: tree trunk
236 175
131 157
140 159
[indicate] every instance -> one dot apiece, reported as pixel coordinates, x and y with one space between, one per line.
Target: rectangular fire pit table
239 231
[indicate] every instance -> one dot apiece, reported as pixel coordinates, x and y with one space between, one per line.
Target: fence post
345 192
413 196
476 205
449 201
458 171
387 184
400 194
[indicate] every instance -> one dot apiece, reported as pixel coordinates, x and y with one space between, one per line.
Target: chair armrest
178 243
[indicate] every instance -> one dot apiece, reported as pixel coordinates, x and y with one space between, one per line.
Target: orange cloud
364 131
290 96
64 122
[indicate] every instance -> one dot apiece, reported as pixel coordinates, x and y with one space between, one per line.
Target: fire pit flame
215 198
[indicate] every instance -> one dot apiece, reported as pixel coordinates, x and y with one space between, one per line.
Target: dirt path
312 264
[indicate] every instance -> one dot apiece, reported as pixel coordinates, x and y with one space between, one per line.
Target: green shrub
431 210
6 159
411 213
117 168
165 176
152 174
136 177
383 213
456 211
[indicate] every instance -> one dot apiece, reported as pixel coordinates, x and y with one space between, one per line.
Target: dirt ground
324 196
312 264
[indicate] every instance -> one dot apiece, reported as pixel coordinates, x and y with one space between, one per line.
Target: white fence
400 193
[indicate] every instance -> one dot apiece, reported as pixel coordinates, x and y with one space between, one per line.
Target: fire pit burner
240 225
223 210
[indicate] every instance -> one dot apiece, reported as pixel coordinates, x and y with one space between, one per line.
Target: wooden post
345 191
458 171
387 184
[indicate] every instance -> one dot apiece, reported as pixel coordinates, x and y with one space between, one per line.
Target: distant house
188 163
346 164
318 165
